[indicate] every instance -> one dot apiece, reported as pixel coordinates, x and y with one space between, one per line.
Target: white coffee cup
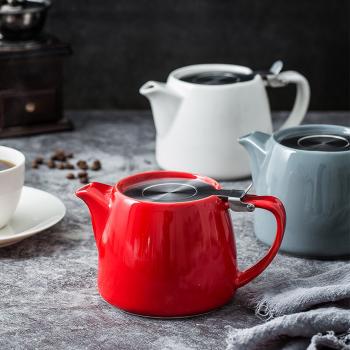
11 183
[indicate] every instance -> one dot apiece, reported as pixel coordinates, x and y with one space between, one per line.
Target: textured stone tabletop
48 289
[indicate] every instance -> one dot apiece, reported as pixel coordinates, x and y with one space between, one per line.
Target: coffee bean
69 166
82 174
82 165
59 155
70 176
84 180
51 164
70 155
35 164
96 165
39 160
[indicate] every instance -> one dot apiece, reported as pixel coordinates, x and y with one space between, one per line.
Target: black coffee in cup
169 190
4 165
216 78
318 142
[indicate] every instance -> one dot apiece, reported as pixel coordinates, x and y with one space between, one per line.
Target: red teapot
166 243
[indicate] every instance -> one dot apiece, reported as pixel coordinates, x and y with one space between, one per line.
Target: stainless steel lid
217 78
176 190
330 143
306 139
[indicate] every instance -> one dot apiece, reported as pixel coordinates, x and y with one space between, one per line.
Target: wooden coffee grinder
31 71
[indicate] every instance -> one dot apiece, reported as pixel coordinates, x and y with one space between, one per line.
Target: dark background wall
120 44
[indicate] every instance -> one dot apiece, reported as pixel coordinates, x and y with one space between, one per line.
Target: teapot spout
164 103
97 197
256 146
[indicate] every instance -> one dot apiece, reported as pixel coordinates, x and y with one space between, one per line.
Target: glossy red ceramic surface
169 259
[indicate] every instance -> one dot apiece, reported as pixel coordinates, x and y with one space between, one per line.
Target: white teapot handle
302 96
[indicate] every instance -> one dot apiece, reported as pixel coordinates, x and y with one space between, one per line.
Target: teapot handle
275 206
302 98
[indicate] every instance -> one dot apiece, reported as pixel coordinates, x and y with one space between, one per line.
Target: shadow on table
45 243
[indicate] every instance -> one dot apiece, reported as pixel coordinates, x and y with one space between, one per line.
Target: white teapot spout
164 103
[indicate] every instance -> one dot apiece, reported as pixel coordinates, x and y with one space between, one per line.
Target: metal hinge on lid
237 203
272 77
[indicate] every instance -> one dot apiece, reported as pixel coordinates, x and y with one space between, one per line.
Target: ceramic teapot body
169 259
198 125
314 187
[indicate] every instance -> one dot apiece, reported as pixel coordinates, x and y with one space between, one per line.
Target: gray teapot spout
256 146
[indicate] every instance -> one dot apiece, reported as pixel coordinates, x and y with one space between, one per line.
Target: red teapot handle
275 206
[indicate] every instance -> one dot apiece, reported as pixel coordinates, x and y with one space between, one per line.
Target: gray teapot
308 168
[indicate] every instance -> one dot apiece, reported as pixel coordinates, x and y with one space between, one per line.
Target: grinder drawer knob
30 107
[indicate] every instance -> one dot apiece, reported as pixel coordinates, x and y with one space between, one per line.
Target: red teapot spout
97 197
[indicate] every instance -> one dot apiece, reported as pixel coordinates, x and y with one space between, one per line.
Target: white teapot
202 110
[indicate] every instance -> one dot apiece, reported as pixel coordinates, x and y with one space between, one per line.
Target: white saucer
37 211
